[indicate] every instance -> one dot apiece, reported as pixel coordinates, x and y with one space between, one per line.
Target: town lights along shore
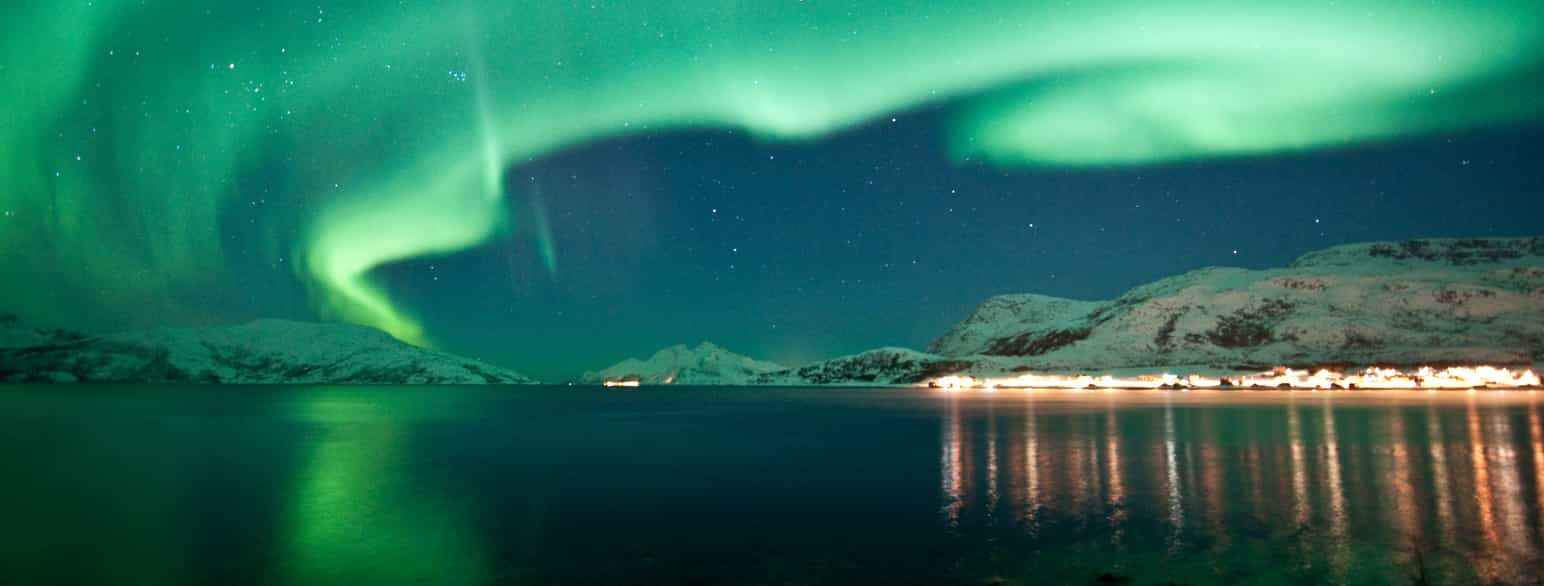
1374 378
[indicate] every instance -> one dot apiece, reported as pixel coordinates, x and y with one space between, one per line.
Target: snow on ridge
1453 253
705 364
1004 315
265 351
1474 301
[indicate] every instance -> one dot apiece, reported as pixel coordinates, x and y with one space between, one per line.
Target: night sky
873 237
556 187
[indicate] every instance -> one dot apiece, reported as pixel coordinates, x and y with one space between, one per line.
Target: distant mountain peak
705 364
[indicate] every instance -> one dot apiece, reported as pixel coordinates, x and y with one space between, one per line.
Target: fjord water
324 485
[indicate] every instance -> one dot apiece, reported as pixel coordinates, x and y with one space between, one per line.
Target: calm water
563 486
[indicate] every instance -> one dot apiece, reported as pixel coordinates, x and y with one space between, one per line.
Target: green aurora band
358 134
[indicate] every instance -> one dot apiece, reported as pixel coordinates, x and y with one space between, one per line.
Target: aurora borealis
166 163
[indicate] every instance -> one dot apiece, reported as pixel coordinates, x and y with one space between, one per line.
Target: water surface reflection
1324 486
861 486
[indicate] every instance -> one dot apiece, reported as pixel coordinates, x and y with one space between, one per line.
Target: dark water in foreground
562 486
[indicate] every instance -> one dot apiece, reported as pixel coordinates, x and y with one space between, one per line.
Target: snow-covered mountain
998 319
262 351
1393 303
1403 304
706 364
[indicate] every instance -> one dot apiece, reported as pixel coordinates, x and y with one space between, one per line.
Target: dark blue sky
806 250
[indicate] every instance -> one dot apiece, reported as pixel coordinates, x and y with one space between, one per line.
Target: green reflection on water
359 514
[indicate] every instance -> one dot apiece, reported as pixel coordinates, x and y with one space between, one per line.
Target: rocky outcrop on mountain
266 351
882 366
1419 302
706 364
995 327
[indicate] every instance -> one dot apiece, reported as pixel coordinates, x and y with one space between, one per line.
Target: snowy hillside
881 366
706 364
991 327
1403 303
262 351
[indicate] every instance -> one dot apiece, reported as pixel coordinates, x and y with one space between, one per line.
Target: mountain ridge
263 351
705 364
